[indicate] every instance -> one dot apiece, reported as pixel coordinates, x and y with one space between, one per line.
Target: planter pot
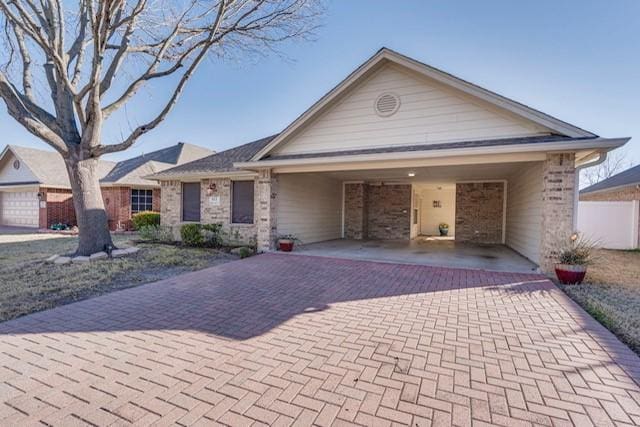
285 245
444 231
570 274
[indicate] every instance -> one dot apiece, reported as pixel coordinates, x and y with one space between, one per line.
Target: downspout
602 156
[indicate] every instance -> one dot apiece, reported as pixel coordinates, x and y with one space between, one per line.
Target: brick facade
214 209
479 212
58 209
355 212
389 212
558 197
117 203
266 197
377 211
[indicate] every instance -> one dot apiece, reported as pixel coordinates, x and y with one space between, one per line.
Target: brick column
355 211
266 210
558 196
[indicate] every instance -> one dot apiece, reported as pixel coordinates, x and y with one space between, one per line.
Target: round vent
16 164
387 104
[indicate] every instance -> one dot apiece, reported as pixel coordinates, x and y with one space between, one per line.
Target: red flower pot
285 245
570 274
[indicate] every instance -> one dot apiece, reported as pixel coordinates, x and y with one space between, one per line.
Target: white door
19 208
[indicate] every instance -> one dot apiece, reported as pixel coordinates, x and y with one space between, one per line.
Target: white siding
9 174
309 206
524 211
429 113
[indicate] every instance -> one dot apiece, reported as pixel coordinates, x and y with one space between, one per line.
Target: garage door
19 208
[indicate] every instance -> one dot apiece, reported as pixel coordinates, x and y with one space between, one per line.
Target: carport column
267 199
558 195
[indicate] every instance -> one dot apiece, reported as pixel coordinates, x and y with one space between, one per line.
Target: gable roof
48 166
623 179
126 170
222 162
386 55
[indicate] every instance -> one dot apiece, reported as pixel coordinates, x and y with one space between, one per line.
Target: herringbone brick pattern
281 340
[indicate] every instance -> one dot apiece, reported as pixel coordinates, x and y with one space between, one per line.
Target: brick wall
614 195
377 211
355 212
479 212
59 207
117 202
558 196
220 212
389 211
211 211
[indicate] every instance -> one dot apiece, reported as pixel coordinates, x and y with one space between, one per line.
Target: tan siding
524 211
309 206
429 113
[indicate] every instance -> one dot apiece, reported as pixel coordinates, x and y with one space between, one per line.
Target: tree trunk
87 201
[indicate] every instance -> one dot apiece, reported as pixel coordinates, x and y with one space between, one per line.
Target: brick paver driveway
279 339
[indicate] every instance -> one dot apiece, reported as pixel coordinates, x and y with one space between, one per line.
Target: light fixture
212 189
411 174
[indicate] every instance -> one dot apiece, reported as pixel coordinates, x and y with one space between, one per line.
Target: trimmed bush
145 218
191 235
156 233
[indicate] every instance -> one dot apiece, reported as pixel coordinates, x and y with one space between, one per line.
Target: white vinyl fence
613 224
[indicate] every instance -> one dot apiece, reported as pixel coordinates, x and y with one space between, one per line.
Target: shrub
208 235
578 251
145 218
156 233
191 235
245 252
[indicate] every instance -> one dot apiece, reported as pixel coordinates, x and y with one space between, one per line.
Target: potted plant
444 228
574 259
286 242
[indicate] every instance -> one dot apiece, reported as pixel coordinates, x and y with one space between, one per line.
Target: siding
309 206
429 113
8 174
524 211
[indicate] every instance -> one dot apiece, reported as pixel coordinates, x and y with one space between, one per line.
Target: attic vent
387 104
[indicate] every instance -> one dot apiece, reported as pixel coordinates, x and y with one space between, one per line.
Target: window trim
133 211
182 184
253 214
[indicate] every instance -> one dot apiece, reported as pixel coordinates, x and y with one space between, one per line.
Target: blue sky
578 60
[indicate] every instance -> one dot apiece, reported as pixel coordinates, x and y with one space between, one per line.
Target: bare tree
68 66
616 162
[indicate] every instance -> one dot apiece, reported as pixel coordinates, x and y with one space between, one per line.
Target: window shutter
242 208
191 201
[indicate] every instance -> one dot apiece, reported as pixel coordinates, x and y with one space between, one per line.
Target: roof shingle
628 177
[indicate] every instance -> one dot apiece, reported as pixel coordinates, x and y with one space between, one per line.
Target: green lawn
27 284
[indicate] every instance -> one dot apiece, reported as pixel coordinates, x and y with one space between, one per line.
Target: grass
29 285
611 294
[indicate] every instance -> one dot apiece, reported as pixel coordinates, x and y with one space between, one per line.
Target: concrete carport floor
421 251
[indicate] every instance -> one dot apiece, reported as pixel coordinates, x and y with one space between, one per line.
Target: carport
493 211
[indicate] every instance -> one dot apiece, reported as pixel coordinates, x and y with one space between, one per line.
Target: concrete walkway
283 340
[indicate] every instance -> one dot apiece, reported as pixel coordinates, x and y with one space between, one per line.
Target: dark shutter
242 208
191 201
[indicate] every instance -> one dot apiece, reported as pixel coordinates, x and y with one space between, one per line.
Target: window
242 202
141 200
191 201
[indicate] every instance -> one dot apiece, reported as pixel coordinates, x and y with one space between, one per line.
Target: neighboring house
367 159
35 189
609 210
